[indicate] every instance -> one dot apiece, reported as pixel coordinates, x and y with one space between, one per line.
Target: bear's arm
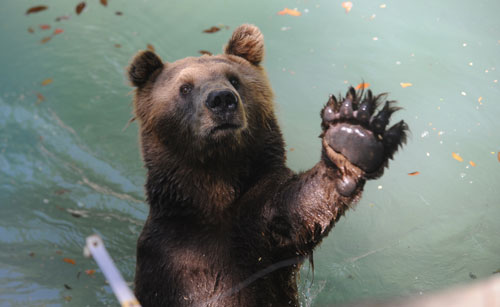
356 146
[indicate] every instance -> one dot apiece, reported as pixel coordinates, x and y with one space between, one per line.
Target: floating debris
47 81
44 27
66 17
205 52
405 84
36 9
45 39
104 2
212 30
347 5
67 287
40 98
58 31
90 272
457 157
79 8
31 30
414 174
471 275
118 13
69 260
472 163
118 46
362 85
383 6
287 11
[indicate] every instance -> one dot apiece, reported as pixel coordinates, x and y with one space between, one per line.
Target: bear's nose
222 102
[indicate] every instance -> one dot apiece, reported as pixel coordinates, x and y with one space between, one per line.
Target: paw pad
352 130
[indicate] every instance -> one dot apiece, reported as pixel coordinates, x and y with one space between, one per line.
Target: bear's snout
222 103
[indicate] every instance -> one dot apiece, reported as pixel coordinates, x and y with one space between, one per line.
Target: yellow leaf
472 163
347 5
69 260
405 84
457 157
290 12
362 85
47 81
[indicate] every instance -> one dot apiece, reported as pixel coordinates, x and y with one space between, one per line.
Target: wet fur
229 224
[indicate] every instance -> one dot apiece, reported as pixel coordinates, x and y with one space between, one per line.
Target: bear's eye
234 82
186 89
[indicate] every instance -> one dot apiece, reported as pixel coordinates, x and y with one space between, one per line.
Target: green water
409 234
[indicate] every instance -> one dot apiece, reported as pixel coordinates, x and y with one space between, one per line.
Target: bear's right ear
247 42
143 65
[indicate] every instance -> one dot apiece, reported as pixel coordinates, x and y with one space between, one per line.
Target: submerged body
229 223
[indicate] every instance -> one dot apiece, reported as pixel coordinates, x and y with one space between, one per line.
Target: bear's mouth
226 127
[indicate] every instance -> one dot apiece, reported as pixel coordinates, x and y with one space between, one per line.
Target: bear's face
206 102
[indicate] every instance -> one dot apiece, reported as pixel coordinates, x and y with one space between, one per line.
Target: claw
346 108
366 108
380 121
395 137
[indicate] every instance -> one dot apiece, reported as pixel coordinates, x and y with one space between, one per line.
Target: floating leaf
472 163
205 52
104 2
90 272
414 174
66 17
45 39
32 254
61 191
31 30
405 84
118 13
150 48
67 286
69 260
118 46
457 157
79 8
44 27
67 298
292 149
40 98
472 276
347 5
36 9
497 271
212 30
58 31
362 85
498 156
287 11
47 81
480 99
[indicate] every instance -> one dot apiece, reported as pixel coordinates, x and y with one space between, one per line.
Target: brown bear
229 223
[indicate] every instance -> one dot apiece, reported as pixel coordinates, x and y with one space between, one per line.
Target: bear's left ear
143 65
247 42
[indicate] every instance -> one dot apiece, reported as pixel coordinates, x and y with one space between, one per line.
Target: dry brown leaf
36 9
90 272
205 52
414 174
212 30
40 98
104 2
79 8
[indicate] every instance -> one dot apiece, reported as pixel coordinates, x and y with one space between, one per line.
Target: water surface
68 168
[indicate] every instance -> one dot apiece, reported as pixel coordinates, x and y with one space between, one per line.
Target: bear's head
208 104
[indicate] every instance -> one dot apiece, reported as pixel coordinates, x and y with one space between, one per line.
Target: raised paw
351 130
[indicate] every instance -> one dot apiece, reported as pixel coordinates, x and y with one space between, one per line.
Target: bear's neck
179 185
